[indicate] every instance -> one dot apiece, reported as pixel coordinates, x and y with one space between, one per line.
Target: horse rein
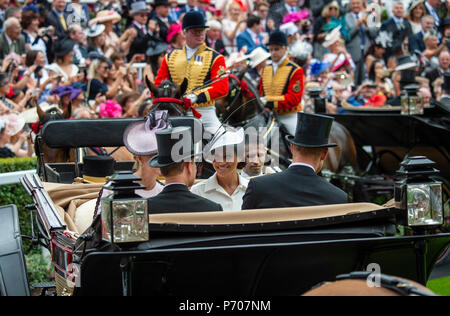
396 285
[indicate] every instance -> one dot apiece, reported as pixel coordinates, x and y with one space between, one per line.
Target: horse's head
164 92
52 114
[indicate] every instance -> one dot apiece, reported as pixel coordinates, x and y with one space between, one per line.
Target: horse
168 96
44 153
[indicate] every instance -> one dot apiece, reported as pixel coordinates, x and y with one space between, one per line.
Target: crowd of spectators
94 56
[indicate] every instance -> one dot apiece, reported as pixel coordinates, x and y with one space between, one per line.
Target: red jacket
206 64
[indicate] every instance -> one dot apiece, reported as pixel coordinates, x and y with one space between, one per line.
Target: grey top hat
139 6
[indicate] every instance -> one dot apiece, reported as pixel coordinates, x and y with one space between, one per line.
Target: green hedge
16 194
38 269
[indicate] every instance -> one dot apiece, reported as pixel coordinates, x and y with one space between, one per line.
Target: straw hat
332 37
106 16
31 116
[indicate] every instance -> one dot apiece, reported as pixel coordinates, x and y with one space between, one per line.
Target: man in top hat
282 83
162 19
139 13
179 169
197 64
299 185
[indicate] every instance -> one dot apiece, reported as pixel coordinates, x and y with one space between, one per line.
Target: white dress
56 69
211 190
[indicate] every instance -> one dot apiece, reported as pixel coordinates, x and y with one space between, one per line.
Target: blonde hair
326 9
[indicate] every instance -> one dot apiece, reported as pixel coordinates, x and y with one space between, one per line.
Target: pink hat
173 30
296 16
110 109
140 137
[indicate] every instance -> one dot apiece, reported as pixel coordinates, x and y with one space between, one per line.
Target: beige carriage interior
70 197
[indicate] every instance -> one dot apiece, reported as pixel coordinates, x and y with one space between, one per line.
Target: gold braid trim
274 84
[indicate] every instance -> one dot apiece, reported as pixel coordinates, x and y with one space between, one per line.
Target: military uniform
205 64
283 87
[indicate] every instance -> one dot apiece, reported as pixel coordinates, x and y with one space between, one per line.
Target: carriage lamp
319 102
124 214
418 194
412 103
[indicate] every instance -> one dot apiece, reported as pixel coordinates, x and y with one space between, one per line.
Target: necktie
292 9
361 31
12 48
143 30
63 21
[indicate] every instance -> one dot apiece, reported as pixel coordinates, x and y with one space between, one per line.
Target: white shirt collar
276 65
191 52
213 185
302 164
175 183
140 26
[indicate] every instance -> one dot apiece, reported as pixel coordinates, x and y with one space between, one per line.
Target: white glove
192 97
263 100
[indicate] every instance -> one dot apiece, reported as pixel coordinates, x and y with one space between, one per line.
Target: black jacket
219 46
297 186
177 198
52 19
398 35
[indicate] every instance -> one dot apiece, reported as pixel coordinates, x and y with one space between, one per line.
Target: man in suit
445 98
139 13
162 19
280 8
251 37
57 18
299 185
11 40
360 34
179 170
433 73
191 6
399 27
213 39
416 43
80 51
431 8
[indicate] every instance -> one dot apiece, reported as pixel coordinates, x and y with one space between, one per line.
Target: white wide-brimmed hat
226 137
257 56
14 123
332 37
289 28
236 58
140 137
31 116
95 30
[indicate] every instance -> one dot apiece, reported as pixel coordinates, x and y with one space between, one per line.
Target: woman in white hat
416 12
337 53
257 63
97 40
226 187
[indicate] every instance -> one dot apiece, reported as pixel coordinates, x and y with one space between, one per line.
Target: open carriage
256 252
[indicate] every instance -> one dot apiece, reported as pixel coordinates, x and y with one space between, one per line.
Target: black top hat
159 3
194 20
175 145
278 38
97 168
446 84
313 130
155 48
63 47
